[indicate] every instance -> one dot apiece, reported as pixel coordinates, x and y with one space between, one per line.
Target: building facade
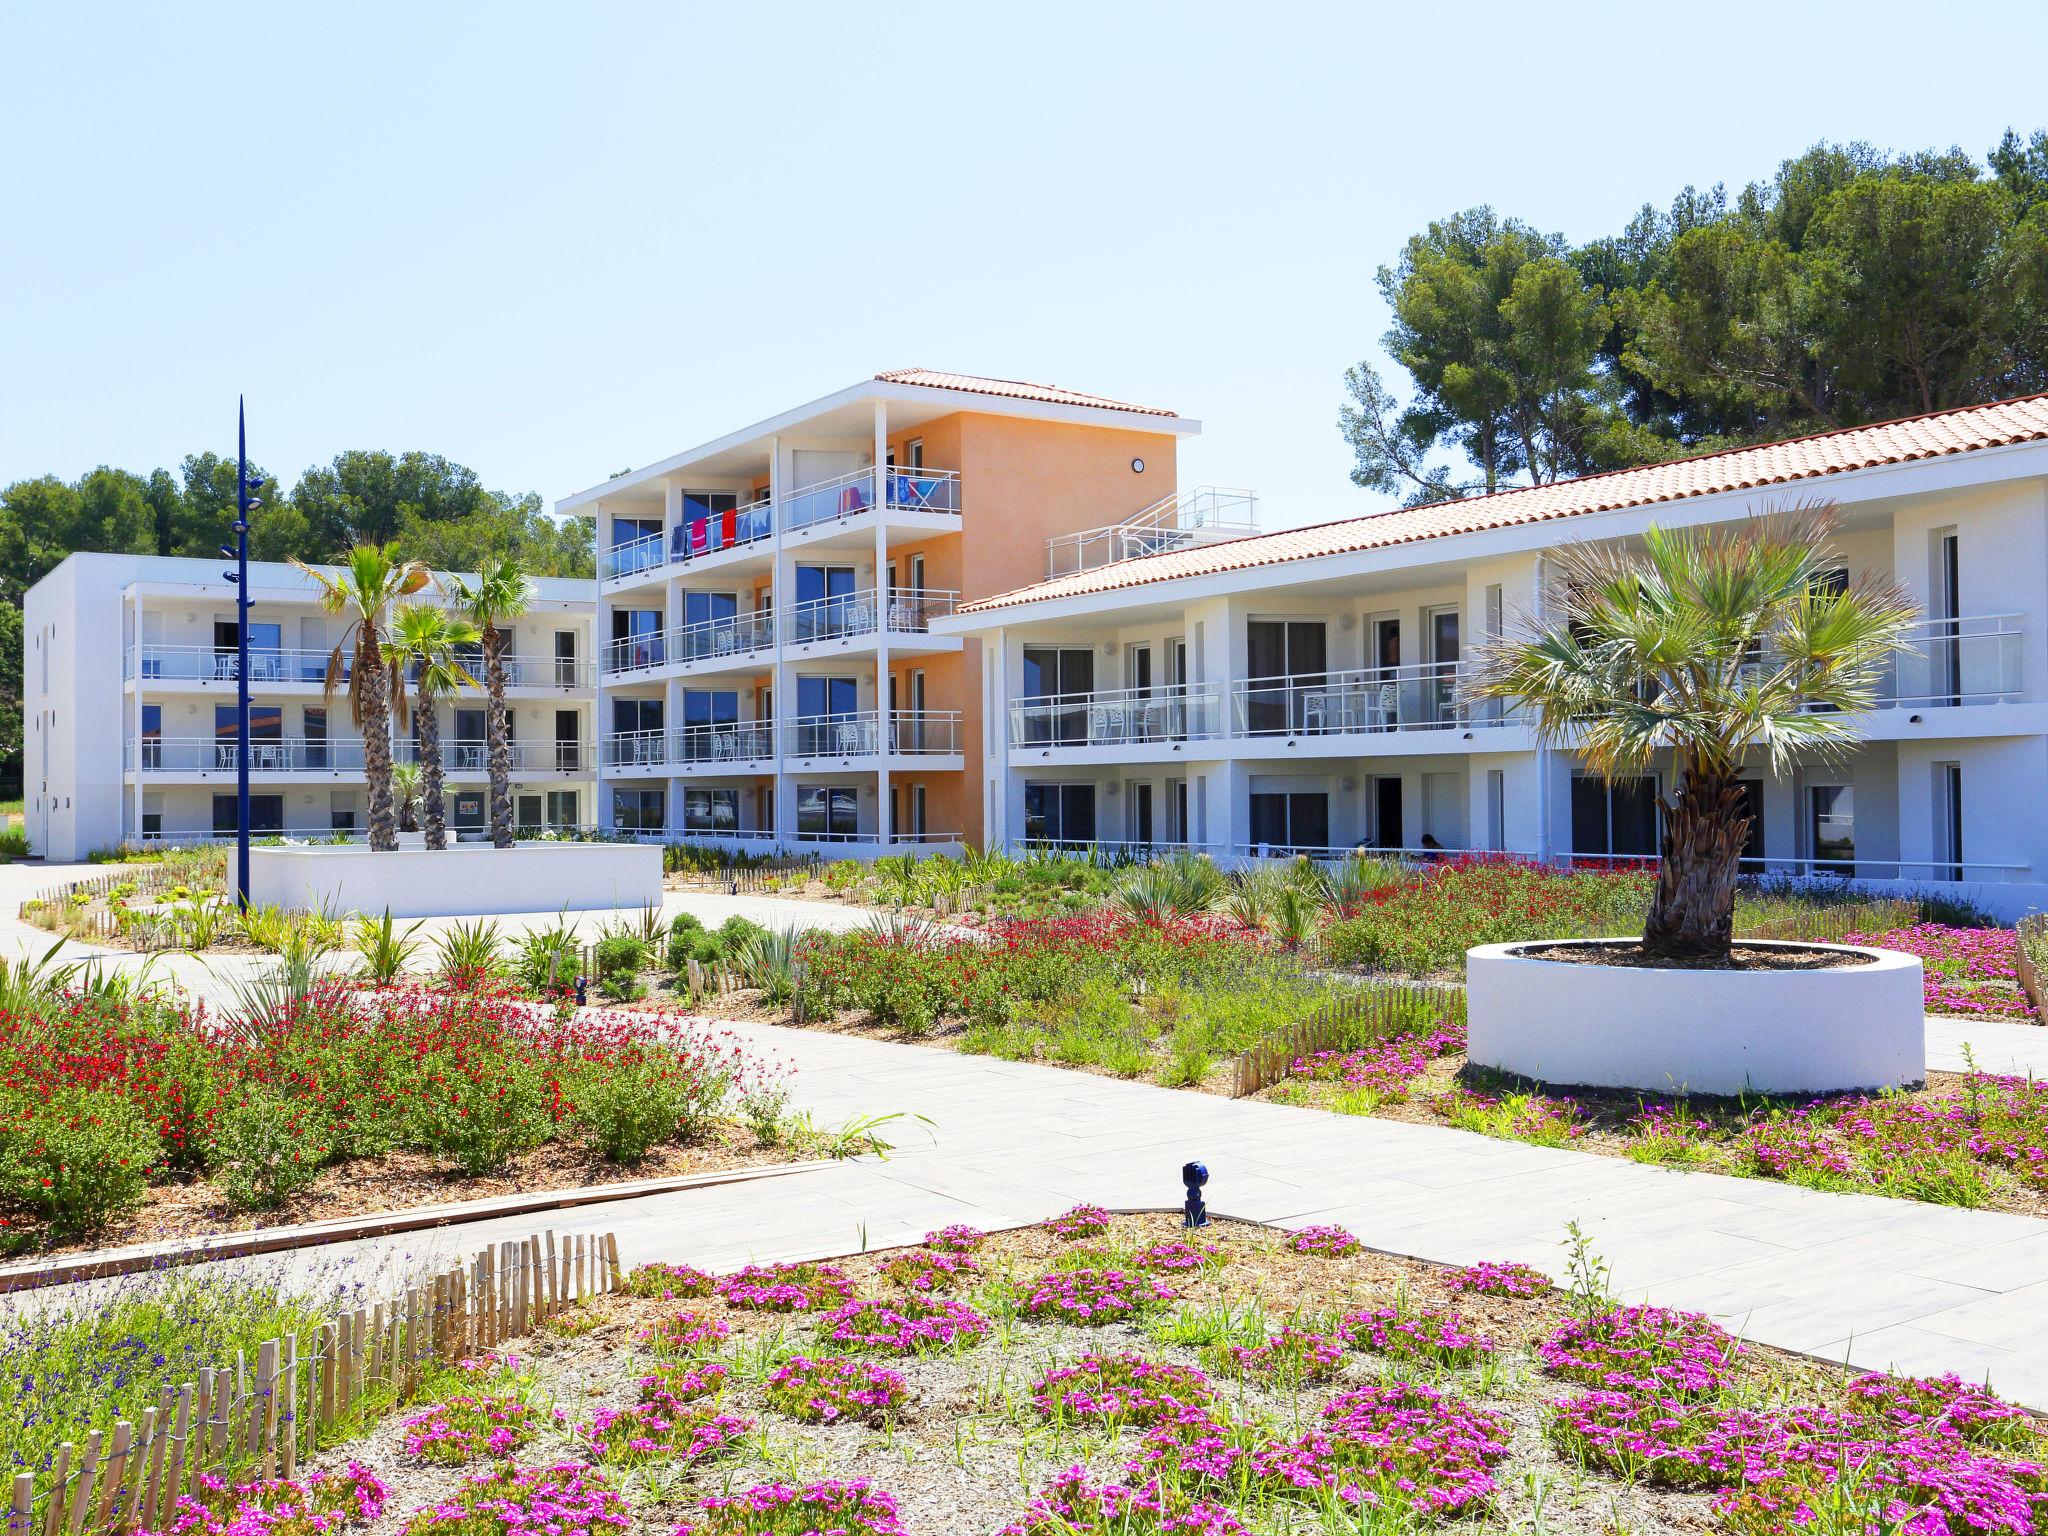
771 672
129 706
1299 691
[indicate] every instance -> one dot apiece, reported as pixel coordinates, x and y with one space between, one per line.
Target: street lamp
246 487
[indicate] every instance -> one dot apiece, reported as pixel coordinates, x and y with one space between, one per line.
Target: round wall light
1137 466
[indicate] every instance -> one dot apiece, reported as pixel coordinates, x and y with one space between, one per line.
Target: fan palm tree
1709 644
371 578
501 594
405 795
425 638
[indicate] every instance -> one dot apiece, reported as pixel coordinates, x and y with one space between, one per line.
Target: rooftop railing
1208 514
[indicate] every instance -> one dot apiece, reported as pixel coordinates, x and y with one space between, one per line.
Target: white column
135 722
884 822
995 727
782 587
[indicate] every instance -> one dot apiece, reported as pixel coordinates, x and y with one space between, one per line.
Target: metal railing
711 638
1118 717
208 754
211 664
906 611
910 733
697 538
1208 514
849 495
632 557
634 653
740 741
1417 698
470 756
1958 661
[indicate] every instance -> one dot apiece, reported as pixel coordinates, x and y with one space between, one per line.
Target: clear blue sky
553 241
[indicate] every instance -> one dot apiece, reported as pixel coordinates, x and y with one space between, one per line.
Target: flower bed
785 1287
1616 1418
111 1097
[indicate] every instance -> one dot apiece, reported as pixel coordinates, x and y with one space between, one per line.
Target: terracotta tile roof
1801 458
1013 389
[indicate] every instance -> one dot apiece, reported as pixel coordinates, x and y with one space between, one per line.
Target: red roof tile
1013 389
1802 458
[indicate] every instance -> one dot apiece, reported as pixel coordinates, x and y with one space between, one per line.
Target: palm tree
502 593
1708 643
371 577
426 638
405 795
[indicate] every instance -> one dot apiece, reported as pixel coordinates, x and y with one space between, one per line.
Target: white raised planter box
1688 1031
461 880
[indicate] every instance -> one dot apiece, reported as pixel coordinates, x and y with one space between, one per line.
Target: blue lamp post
246 487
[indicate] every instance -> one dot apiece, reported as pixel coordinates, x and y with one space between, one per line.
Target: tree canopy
1853 286
429 508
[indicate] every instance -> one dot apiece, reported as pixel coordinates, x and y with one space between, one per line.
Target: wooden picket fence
1366 1012
260 1419
736 879
2032 927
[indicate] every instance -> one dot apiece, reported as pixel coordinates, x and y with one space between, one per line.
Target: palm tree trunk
377 749
494 732
1692 914
434 812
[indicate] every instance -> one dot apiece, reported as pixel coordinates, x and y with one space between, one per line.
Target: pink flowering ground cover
1256 1388
1973 972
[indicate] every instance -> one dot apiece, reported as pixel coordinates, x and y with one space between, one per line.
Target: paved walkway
1887 1284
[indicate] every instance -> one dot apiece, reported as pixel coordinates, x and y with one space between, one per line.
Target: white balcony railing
715 533
907 490
712 638
1118 717
1208 514
209 754
1371 699
631 557
907 611
735 741
470 756
911 733
1957 662
212 664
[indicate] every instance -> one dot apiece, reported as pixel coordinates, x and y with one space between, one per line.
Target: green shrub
620 957
268 1147
482 1122
629 1107
79 1160
547 959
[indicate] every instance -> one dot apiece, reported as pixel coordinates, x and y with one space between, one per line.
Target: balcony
210 664
711 639
1373 699
470 757
210 755
1209 514
905 490
910 733
715 534
1956 662
1118 717
907 611
734 742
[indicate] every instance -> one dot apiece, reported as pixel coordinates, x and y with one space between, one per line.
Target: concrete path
1887 1284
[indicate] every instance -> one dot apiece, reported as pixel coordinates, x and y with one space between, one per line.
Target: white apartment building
770 671
129 705
1299 691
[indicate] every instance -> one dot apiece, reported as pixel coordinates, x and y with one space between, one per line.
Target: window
266 815
1284 664
918 826
316 736
710 607
1945 628
709 523
1062 673
1614 821
1831 826
562 811
152 735
917 572
633 716
568 740
819 698
1496 809
565 658
827 603
526 814
1283 822
1948 821
342 811
913 454
1138 812
827 811
639 810
1059 813
711 810
636 638
709 718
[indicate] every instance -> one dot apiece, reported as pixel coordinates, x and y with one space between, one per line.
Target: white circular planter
1686 1031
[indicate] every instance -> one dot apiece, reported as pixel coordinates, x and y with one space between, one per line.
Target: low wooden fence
2029 930
1372 1010
752 878
260 1418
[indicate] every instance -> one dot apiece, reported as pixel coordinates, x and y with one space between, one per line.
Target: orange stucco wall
1022 482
